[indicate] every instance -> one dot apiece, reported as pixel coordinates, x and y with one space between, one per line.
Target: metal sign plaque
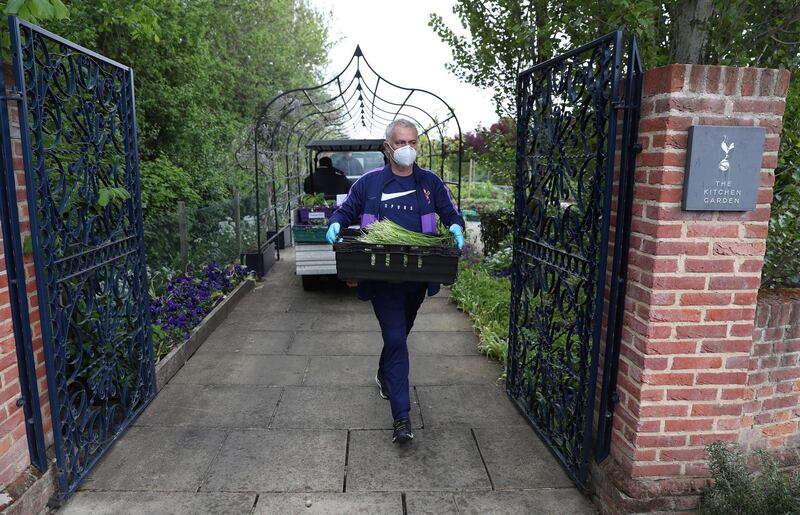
723 167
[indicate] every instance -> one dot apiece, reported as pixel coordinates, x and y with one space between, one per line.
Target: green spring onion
386 232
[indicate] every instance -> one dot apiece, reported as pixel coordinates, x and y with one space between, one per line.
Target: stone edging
31 490
178 356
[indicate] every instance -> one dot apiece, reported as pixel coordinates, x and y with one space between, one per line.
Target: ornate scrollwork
83 168
561 207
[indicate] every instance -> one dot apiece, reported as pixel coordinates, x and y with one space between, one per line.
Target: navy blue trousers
396 307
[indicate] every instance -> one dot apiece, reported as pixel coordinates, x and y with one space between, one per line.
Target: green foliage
163 185
502 259
494 150
737 491
781 266
318 199
36 10
507 36
486 299
496 227
201 70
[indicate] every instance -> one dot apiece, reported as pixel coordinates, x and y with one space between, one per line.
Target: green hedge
496 226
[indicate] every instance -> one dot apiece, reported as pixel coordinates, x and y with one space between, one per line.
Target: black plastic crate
356 260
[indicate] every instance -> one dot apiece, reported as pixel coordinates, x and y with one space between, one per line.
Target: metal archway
358 101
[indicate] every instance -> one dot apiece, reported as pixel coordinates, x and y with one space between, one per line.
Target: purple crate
304 214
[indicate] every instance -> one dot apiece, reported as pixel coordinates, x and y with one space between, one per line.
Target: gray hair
401 122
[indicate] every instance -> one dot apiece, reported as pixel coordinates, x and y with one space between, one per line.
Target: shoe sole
403 439
380 389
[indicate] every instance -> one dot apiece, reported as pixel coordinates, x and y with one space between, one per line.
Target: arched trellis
358 101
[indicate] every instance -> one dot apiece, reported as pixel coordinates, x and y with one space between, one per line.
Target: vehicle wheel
310 282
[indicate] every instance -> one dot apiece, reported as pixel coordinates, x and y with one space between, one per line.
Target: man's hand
333 232
458 233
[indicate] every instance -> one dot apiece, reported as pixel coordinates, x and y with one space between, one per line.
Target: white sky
400 46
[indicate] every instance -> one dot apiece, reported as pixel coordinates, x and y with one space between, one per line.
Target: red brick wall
774 375
14 458
693 283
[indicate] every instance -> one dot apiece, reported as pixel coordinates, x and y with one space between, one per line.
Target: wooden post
471 177
237 220
184 235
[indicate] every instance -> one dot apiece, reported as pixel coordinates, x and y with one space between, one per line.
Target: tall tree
201 69
506 36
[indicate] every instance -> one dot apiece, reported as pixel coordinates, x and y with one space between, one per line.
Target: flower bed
186 301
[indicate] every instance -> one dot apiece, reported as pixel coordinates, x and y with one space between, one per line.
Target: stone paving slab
237 338
279 461
303 363
514 458
434 460
451 321
442 343
330 504
450 370
480 405
262 304
437 305
341 370
157 458
337 407
174 503
337 343
543 501
226 406
326 304
350 321
430 503
212 368
271 321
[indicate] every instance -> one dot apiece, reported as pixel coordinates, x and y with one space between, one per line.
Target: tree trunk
690 31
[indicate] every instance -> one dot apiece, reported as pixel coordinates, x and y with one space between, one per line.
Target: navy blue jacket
433 197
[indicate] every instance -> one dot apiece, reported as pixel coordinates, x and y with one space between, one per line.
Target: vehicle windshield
354 164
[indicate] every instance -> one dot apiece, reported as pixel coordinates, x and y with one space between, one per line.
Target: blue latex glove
458 233
333 232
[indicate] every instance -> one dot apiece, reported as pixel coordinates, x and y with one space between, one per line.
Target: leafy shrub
781 266
187 301
737 491
495 228
500 262
163 185
486 299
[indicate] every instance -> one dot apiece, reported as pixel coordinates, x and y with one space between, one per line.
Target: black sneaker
382 388
402 430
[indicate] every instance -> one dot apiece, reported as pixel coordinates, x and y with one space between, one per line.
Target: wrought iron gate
566 197
78 134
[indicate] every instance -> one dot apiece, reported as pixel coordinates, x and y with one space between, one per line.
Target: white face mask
405 156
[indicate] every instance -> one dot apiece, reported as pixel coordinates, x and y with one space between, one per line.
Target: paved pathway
277 413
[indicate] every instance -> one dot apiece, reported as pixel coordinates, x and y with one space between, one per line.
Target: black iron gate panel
78 133
564 195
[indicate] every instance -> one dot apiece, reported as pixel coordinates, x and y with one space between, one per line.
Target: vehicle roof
334 145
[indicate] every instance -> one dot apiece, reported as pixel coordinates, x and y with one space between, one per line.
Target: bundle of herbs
386 232
316 200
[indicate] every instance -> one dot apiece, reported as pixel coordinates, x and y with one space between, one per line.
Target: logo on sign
725 165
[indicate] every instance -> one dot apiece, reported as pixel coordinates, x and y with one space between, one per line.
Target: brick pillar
15 470
774 376
692 289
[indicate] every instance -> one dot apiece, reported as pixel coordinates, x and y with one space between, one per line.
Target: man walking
411 197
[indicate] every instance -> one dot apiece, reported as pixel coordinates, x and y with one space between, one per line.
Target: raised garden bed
180 354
